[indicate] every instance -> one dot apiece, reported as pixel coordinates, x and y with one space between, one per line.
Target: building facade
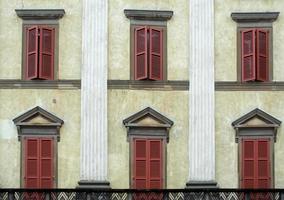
141 94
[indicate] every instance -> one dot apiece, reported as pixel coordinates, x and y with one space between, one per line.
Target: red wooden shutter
140 164
155 165
262 60
46 163
156 54
140 53
256 166
31 53
248 164
263 164
31 177
46 59
248 55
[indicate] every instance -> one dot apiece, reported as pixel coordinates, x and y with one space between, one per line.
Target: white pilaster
201 98
93 170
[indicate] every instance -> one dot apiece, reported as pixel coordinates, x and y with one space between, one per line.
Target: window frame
254 20
150 18
264 128
41 17
28 129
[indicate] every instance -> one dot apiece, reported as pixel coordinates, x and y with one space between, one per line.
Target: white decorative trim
201 98
94 91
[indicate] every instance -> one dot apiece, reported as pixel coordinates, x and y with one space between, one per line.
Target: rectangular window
147 162
39 163
255 55
255 163
148 53
39 50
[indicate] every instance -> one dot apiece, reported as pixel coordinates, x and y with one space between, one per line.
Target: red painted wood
255 168
147 164
31 69
140 53
39 162
46 163
248 55
31 177
46 58
156 54
262 55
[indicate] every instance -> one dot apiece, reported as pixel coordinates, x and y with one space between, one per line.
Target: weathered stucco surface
65 104
124 103
69 37
119 37
229 107
226 36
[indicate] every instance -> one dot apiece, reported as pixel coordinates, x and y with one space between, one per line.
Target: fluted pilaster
93 171
201 98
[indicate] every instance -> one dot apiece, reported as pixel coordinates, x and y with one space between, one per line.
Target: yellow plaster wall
65 104
119 37
69 37
124 103
229 107
226 36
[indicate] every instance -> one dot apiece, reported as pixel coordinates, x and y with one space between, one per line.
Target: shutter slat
46 59
31 69
156 54
248 55
262 67
140 53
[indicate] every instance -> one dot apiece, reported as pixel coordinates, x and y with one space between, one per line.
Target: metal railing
129 194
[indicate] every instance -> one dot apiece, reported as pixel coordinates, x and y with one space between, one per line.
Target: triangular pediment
147 117
256 118
38 116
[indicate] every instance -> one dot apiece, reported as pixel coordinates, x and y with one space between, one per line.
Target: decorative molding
201 185
155 15
40 14
156 124
148 85
248 17
40 84
201 133
26 126
266 125
249 86
100 185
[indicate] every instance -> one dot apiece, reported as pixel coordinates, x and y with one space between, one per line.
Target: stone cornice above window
152 15
254 17
256 123
148 122
40 14
38 122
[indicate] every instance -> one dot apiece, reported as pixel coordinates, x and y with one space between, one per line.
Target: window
148 52
255 55
38 162
148 48
255 163
38 132
39 52
254 42
256 133
148 137
40 43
